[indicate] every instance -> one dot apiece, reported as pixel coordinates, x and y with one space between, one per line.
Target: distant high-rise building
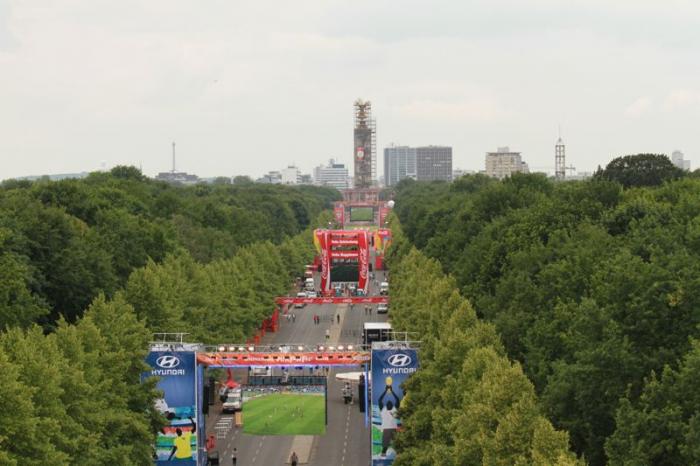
364 145
434 163
399 163
334 174
679 161
504 163
290 175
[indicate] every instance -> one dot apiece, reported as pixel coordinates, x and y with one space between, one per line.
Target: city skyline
88 82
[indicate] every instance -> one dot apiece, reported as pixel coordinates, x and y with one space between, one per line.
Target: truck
376 331
233 401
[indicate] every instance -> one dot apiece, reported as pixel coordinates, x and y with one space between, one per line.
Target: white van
384 288
309 284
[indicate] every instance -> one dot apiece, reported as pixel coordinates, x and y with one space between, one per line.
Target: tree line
61 243
468 404
72 391
593 288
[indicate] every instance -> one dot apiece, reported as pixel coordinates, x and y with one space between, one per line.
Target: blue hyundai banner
390 368
177 441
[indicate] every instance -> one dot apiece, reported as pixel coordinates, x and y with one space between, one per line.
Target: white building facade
334 174
504 163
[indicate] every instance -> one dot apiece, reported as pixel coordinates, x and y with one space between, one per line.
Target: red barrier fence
334 300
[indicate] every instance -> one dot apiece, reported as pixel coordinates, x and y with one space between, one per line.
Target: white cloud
682 98
639 107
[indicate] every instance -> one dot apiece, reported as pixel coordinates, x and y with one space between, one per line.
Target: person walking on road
294 459
338 318
328 334
234 457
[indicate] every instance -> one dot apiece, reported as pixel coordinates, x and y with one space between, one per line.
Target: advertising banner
176 442
363 259
325 261
336 300
390 368
318 358
339 211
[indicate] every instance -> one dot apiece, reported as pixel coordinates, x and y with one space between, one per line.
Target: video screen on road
361 214
345 271
284 410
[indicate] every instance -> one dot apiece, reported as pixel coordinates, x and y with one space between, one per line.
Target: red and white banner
334 300
325 260
363 260
339 212
343 242
345 254
318 358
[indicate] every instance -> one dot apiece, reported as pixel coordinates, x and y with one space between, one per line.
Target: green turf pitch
285 414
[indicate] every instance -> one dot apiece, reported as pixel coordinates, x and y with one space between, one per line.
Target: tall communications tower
365 145
560 160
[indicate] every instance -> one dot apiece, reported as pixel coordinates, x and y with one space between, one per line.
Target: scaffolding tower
560 160
365 145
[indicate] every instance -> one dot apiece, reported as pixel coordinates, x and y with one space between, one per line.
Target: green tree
640 170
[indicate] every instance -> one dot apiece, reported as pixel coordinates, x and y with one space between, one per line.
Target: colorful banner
363 244
342 242
334 300
177 441
290 359
390 368
339 213
325 261
345 254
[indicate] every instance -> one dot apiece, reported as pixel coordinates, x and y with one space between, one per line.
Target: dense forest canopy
90 269
593 287
468 404
61 243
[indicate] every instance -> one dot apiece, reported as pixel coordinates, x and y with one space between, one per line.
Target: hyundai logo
399 360
168 362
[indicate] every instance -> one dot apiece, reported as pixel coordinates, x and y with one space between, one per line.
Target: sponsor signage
363 259
390 368
278 359
177 442
336 300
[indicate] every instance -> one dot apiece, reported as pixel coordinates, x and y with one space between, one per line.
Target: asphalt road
346 442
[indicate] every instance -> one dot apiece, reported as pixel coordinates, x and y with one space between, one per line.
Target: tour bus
376 331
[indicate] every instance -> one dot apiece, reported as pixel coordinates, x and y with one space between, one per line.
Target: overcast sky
247 87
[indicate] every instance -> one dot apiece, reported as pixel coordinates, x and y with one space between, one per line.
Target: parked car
311 294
